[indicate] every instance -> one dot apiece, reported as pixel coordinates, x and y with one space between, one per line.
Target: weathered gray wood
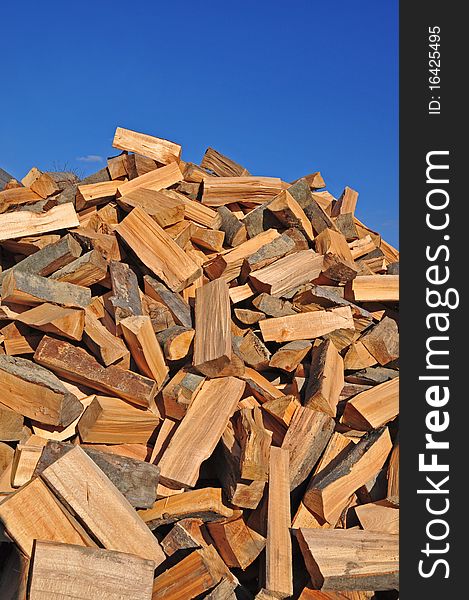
259 220
178 307
285 244
315 213
382 341
235 230
48 259
272 306
126 296
135 479
11 425
345 223
26 288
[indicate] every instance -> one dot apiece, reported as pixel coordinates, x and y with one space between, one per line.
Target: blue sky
285 88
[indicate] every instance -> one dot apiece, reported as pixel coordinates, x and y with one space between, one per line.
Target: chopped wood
86 270
350 560
163 209
77 365
11 425
393 476
236 542
234 229
382 341
306 326
326 379
69 571
221 165
358 357
375 288
92 194
97 503
224 190
373 408
176 342
156 180
346 203
382 517
163 151
27 223
289 356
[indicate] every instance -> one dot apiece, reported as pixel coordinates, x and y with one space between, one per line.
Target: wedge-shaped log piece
212 346
52 182
235 230
105 346
52 257
358 357
163 209
77 365
126 300
197 573
289 242
375 288
339 559
135 479
289 356
180 391
306 326
382 517
27 223
200 430
179 308
221 165
229 265
65 322
144 347
36 393
16 197
236 542
195 211
176 342
205 504
225 190
184 535
279 570
34 513
330 490
159 149
373 408
11 425
25 460
86 270
156 249
346 203
92 194
326 379
62 571
96 502
305 440
110 420
254 442
393 476
287 210
156 180
383 341
29 289
288 273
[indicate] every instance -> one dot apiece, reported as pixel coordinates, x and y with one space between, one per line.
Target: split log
234 229
393 476
373 408
224 190
27 223
180 392
157 250
161 150
96 502
11 425
382 341
380 517
346 203
163 209
186 534
65 322
289 212
77 365
326 379
236 542
176 342
156 180
221 165
178 307
86 270
67 571
36 393
289 356
350 560
375 288
93 194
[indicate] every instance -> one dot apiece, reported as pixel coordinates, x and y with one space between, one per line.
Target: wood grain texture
26 223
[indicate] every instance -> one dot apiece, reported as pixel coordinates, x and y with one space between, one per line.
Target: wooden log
272 306
163 209
135 479
197 573
393 476
157 250
221 165
180 391
382 341
234 229
212 346
380 517
93 194
205 504
144 347
289 212
253 352
236 542
374 288
306 326
224 190
77 365
26 223
49 259
195 211
82 486
11 425
358 357
208 239
373 408
260 220
36 393
161 150
289 356
25 246
6 456
361 247
17 197
279 575
247 316
176 342
288 273
86 270
260 387
254 443
199 431
345 223
156 180
326 379
184 535
125 299
56 432
350 559
106 244
68 571
25 288
25 460
282 408
105 346
51 182
23 515
110 420
179 309
311 206
306 438
329 491
65 322
346 203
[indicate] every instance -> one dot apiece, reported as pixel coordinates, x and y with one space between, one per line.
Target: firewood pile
199 385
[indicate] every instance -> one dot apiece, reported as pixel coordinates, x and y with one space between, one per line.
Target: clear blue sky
285 88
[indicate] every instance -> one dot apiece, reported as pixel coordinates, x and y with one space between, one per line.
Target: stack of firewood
199 385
